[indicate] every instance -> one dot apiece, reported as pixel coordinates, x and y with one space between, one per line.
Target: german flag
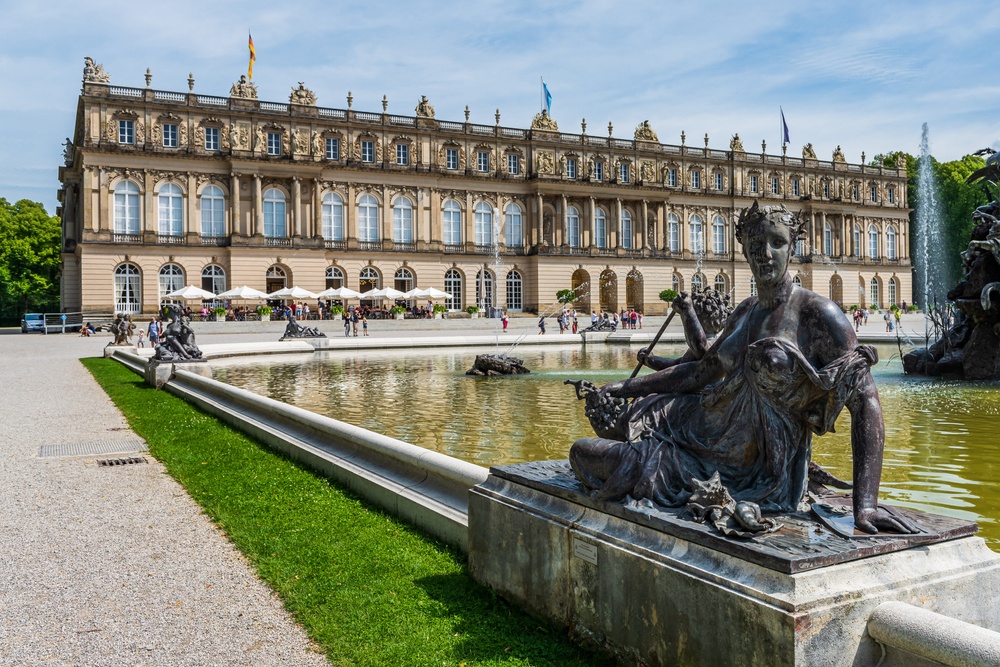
253 57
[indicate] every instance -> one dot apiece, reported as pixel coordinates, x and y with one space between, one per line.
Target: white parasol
190 293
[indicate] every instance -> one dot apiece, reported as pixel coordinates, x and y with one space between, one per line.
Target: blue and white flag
548 99
784 127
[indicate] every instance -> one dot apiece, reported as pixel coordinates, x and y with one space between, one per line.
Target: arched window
626 229
171 280
213 279
857 241
453 286
718 235
675 283
484 290
127 220
213 212
721 284
402 221
673 233
753 286
333 217
697 235
128 289
797 281
483 224
369 279
600 228
875 293
403 279
274 214
827 239
890 243
514 236
452 223
697 282
334 277
873 242
891 289
275 279
367 219
515 297
572 227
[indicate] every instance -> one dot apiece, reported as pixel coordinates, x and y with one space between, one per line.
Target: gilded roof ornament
94 72
643 132
244 89
302 96
808 153
838 155
735 144
543 121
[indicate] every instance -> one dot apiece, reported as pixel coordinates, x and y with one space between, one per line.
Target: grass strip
368 588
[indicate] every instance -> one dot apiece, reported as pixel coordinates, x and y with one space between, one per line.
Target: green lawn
368 588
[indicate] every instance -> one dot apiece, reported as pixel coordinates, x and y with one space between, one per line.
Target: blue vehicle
33 322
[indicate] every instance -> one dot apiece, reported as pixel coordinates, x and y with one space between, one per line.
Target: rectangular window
451 158
402 154
672 178
571 167
483 161
623 172
333 149
826 190
891 195
598 171
126 131
696 180
795 187
719 180
211 138
273 143
169 135
856 192
873 194
754 183
775 186
367 151
513 165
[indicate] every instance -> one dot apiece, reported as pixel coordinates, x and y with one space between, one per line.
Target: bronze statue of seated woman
784 366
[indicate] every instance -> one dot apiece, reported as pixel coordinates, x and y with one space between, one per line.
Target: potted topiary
220 314
398 311
265 313
336 311
473 311
439 311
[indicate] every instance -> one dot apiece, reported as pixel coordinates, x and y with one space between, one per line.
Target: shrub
397 310
439 308
337 310
668 295
565 296
472 310
220 313
264 310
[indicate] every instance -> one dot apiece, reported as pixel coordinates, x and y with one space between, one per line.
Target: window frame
275 210
332 219
126 132
513 164
451 223
170 210
212 139
368 151
170 134
368 219
332 151
402 155
513 226
451 159
212 198
571 170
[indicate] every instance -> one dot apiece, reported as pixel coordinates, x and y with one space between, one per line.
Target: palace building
163 189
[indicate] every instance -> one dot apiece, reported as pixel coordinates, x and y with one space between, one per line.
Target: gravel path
112 566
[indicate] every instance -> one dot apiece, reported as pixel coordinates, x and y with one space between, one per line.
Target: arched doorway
581 287
128 289
484 291
837 290
368 280
275 279
633 290
609 291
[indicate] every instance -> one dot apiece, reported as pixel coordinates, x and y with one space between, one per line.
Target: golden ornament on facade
543 121
244 89
302 96
643 132
735 145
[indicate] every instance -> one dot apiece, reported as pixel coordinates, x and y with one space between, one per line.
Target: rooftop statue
643 132
808 153
784 366
735 144
94 72
424 108
543 121
244 89
302 96
838 155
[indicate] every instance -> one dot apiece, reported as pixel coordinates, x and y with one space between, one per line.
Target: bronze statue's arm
683 378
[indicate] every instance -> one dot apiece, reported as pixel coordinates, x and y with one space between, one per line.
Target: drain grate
106 446
127 461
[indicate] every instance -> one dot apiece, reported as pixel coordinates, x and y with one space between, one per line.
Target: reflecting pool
942 452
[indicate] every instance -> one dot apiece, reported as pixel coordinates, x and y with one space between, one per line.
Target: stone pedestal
158 374
652 587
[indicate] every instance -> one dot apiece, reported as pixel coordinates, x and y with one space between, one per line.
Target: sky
861 75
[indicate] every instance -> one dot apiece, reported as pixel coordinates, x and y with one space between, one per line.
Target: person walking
153 332
139 341
505 321
541 325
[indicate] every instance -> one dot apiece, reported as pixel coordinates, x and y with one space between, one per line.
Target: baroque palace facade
164 189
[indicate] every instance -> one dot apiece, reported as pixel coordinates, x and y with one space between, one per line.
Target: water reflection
941 453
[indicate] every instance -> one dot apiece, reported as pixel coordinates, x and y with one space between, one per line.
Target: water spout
931 260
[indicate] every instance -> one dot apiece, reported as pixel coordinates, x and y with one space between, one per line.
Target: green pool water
942 449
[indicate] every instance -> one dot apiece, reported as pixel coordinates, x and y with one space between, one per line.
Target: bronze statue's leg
608 467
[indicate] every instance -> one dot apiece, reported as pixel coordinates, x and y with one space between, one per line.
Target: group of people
352 318
627 319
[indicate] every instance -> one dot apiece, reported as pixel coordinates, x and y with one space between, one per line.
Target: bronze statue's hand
872 520
613 389
681 303
642 355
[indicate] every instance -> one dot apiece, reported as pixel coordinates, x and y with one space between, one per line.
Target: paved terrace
117 565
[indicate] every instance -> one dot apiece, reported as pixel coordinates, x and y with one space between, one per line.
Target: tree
668 295
565 296
29 258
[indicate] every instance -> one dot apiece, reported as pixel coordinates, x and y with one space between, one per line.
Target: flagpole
541 92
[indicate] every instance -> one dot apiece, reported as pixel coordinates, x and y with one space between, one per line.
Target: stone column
661 221
297 207
615 231
100 218
191 219
316 227
350 208
560 228
257 224
641 237
843 234
235 222
683 231
811 233
150 221
387 221
822 231
468 217
536 222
